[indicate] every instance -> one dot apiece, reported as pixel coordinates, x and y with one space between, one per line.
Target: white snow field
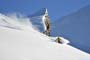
20 41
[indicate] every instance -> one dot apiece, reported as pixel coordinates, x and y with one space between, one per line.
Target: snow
29 44
14 21
37 23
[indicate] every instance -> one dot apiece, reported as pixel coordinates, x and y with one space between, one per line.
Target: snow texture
29 44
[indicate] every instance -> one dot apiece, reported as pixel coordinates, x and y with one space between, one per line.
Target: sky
56 8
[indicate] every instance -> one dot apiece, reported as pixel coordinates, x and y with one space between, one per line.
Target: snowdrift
28 44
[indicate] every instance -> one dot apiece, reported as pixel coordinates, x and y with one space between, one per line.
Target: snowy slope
15 22
75 27
28 44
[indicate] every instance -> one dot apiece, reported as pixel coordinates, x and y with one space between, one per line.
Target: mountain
75 27
26 43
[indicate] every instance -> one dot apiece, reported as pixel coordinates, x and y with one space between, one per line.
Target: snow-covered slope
14 22
29 44
75 27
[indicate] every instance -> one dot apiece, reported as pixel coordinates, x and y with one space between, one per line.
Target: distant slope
75 27
28 44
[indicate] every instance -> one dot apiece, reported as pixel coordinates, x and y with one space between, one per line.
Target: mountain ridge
75 26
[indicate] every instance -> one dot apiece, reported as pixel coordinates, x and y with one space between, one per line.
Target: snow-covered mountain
19 41
75 27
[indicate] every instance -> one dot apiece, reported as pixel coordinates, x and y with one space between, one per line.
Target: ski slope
26 43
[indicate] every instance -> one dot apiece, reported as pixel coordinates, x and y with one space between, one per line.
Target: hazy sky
56 8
